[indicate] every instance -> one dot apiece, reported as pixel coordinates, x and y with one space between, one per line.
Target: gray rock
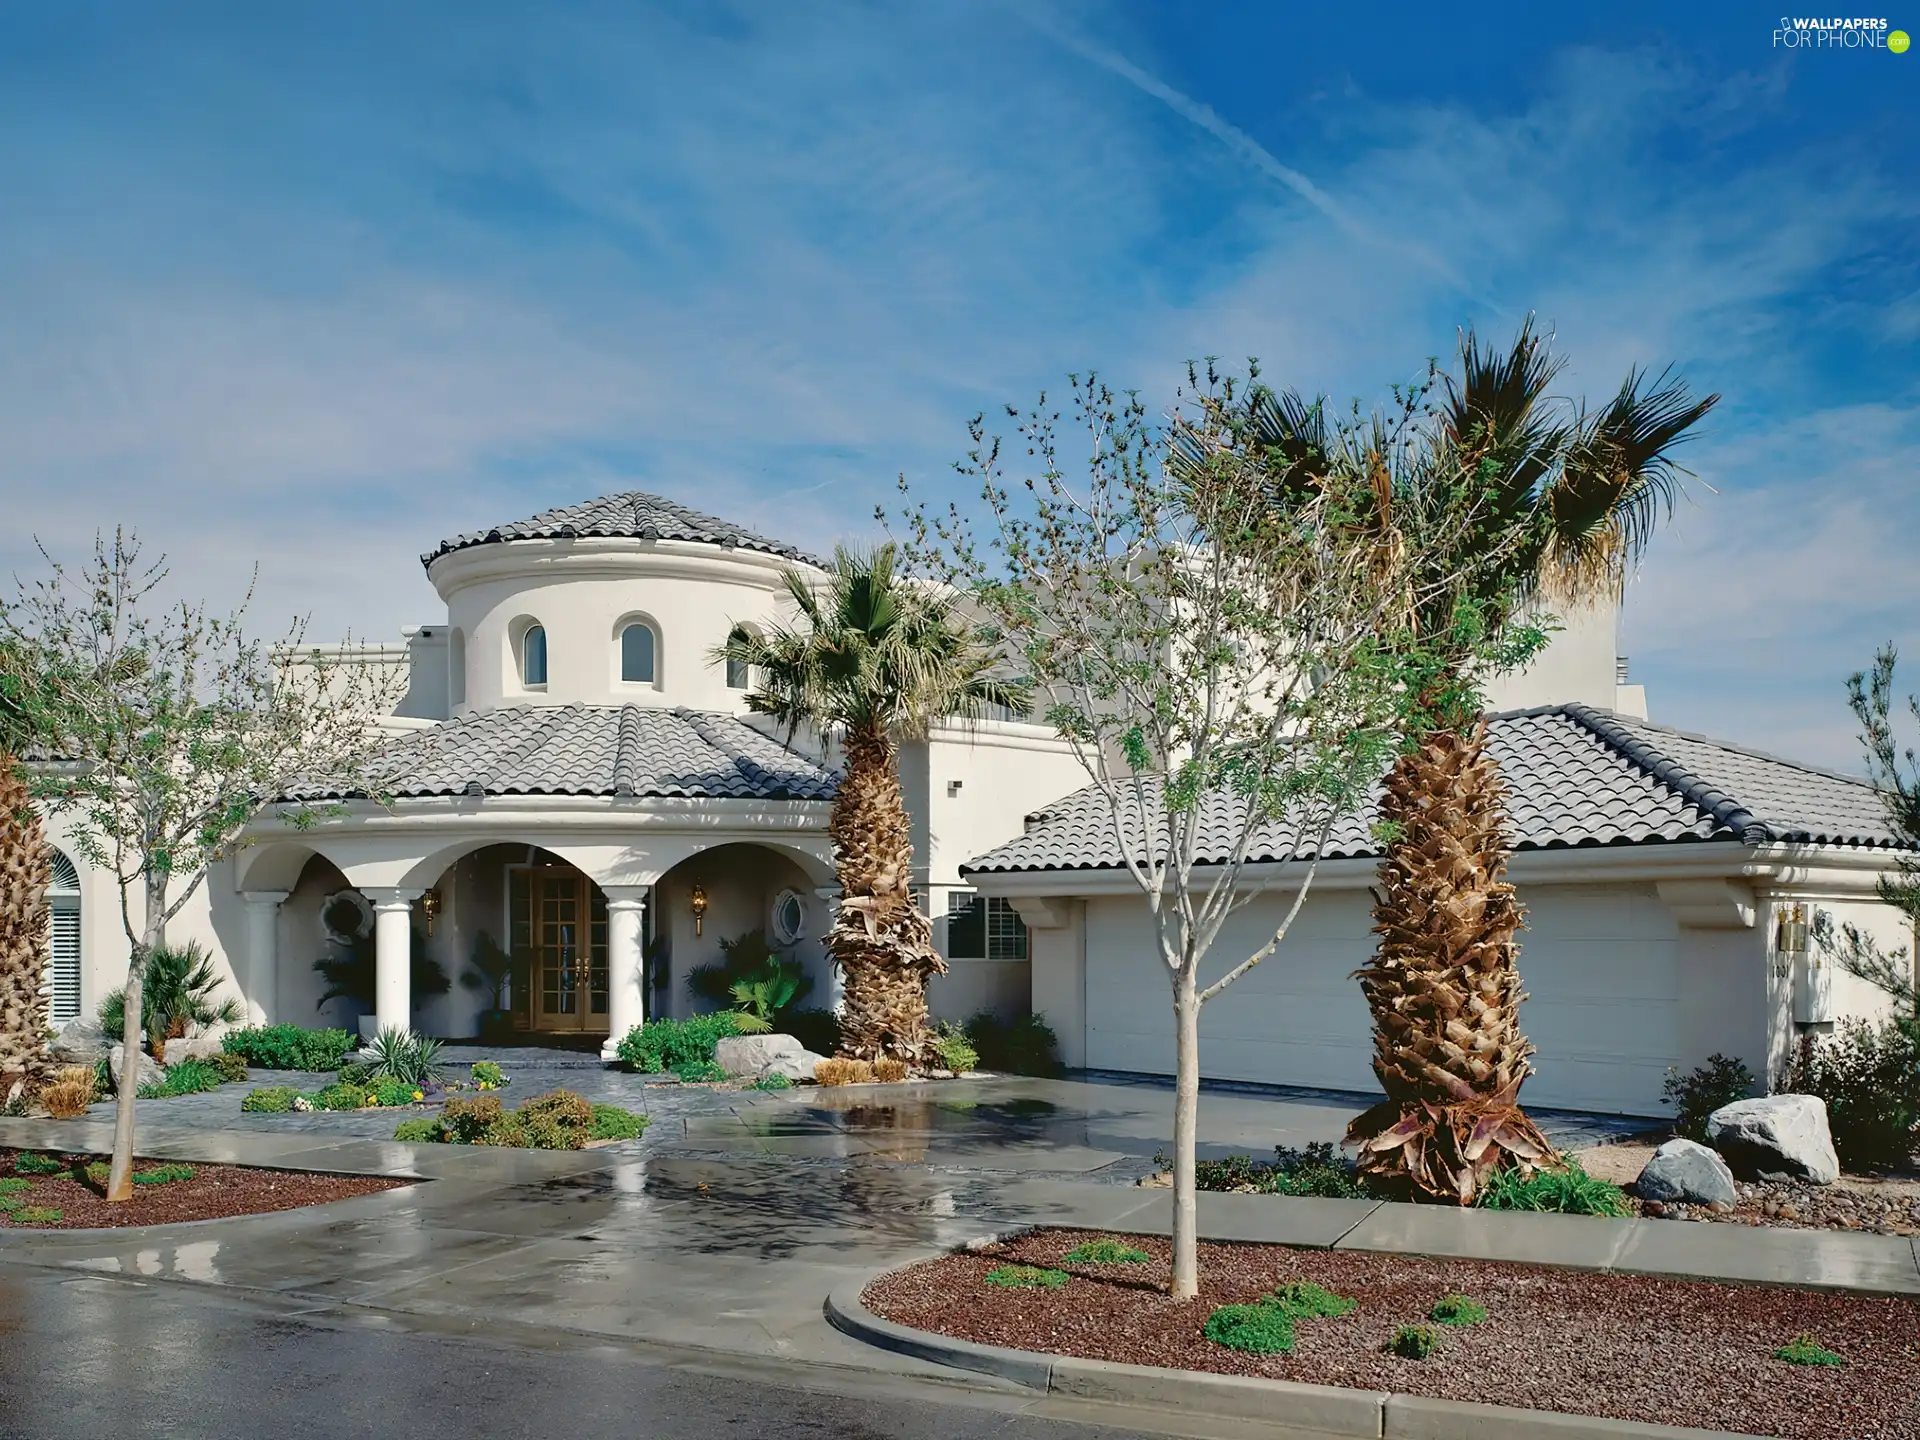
147 1072
81 1041
193 1047
1776 1137
754 1057
1683 1171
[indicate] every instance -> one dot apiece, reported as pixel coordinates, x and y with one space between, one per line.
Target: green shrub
10 1203
1457 1310
1106 1252
610 1122
1564 1190
36 1215
389 1092
1805 1350
774 1081
816 1030
1317 1170
272 1100
488 1075
1415 1342
558 1120
289 1047
1026 1046
469 1122
676 1045
102 1078
423 1129
699 1072
97 1171
1869 1077
232 1068
402 1055
1704 1089
1304 1300
39 1165
14 1184
1026 1277
176 991
163 1175
344 1097
189 1077
356 1072
955 1050
1256 1329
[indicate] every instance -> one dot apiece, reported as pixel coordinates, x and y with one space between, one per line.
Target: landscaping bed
1625 1347
1877 1204
163 1193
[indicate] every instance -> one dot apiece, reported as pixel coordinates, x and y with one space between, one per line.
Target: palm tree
176 992
873 658
25 871
1549 505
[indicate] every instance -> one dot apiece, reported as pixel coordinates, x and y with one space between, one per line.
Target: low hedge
684 1047
290 1047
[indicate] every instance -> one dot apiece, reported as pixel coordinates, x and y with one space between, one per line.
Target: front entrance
559 922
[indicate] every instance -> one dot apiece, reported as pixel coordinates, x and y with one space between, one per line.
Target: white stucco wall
1577 665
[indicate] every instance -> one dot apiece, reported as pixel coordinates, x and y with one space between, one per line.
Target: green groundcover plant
1415 1342
1106 1252
1565 1190
1026 1277
682 1047
1457 1310
1805 1350
1267 1326
290 1047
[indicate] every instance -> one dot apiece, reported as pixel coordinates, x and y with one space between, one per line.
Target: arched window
63 936
636 654
533 657
739 673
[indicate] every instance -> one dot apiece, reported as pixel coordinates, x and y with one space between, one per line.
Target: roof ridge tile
1725 809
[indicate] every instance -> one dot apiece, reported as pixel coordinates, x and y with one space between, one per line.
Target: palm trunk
880 940
24 872
1444 986
1186 1122
120 1173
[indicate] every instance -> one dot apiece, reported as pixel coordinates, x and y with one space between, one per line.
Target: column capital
265 898
389 897
625 897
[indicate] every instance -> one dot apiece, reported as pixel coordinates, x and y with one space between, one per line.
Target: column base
610 1051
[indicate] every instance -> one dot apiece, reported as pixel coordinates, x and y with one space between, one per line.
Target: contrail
1248 149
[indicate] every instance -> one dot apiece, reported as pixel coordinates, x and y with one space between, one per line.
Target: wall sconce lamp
430 904
1789 937
697 902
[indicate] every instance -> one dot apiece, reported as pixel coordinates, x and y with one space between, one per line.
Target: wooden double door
560 918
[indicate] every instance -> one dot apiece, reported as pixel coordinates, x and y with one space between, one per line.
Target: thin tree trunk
120 1173
1186 1121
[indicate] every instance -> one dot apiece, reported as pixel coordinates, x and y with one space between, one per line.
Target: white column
392 956
626 964
829 896
263 954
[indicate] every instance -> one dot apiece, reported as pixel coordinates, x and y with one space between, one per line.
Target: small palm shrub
1805 1350
1704 1089
955 1050
177 991
1415 1342
1564 1190
70 1092
674 1045
610 1122
1026 1277
843 1072
761 984
1255 1329
1869 1077
289 1047
189 1077
1457 1310
1026 1046
1106 1252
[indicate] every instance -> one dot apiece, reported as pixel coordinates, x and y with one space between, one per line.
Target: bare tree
1230 659
172 731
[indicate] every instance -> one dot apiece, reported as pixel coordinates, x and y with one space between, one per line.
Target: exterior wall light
430 904
697 902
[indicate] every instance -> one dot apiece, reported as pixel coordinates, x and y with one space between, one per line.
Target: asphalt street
82 1356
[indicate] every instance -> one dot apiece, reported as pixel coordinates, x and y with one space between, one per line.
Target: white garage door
1598 962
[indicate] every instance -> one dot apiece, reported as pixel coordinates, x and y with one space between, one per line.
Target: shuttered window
63 935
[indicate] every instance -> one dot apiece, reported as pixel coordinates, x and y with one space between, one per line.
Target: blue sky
316 292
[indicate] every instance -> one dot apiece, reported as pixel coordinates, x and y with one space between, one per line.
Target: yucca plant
178 991
409 1058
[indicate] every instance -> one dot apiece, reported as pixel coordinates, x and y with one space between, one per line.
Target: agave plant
406 1057
177 992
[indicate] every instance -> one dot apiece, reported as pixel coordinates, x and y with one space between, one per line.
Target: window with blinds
63 941
980 927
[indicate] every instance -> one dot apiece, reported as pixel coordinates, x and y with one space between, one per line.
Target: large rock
755 1057
147 1072
80 1041
1776 1137
1691 1174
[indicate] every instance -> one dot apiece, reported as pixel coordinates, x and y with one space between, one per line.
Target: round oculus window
789 916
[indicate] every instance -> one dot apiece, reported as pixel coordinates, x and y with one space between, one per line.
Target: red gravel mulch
1627 1347
213 1192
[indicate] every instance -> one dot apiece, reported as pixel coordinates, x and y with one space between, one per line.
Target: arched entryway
722 895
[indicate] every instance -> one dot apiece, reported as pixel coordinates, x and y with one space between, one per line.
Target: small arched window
739 673
63 940
636 654
533 657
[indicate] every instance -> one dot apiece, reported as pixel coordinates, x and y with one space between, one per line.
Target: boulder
1776 1137
1691 1174
145 1073
80 1041
754 1057
193 1047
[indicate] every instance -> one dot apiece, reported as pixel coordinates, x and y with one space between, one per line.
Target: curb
1316 1409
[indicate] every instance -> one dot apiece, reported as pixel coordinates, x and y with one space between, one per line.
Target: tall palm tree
873 658
1549 505
25 872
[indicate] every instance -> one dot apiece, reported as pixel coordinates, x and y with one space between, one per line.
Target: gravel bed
1881 1205
214 1192
1624 1347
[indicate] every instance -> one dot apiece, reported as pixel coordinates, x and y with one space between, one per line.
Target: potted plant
490 971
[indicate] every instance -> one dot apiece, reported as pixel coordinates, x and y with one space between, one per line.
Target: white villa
574 780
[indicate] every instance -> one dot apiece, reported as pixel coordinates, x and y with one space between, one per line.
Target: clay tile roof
627 514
